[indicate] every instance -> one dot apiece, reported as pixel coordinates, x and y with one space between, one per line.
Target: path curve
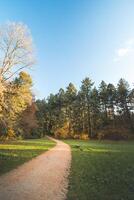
43 178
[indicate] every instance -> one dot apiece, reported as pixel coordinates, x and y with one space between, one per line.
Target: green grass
101 170
14 153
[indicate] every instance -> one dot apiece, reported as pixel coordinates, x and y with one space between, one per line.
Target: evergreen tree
71 94
123 101
86 89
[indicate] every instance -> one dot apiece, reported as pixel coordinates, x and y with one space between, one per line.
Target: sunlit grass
101 170
14 153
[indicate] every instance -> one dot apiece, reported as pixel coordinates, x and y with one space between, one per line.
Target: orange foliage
62 132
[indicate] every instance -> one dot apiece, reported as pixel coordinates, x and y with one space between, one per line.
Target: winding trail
43 178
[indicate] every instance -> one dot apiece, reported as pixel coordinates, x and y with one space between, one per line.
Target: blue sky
75 39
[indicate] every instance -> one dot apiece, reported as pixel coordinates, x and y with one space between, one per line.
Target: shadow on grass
26 143
11 159
14 153
101 171
20 154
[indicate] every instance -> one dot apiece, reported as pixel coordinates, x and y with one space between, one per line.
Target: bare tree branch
16 49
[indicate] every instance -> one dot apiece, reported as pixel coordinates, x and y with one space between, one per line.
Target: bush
114 134
84 136
62 132
9 135
76 136
81 136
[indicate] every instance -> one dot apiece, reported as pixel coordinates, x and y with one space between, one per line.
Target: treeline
90 112
17 107
103 112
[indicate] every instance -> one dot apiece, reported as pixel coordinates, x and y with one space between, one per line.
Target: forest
66 100
103 112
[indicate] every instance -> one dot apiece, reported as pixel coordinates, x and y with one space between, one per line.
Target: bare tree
16 49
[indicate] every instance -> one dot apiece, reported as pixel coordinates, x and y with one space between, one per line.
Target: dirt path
43 178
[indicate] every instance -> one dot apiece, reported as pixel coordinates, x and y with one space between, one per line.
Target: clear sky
75 39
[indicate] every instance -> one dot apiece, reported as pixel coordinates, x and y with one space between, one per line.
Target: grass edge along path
15 153
101 170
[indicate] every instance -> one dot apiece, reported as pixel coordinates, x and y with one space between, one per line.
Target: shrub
62 132
81 136
76 136
84 136
114 134
10 134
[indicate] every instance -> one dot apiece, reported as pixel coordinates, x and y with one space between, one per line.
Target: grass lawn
14 153
101 170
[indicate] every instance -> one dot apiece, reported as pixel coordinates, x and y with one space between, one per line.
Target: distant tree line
103 112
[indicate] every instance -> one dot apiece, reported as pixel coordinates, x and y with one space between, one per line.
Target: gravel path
42 178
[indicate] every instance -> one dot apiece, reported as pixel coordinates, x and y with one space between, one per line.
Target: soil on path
43 178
